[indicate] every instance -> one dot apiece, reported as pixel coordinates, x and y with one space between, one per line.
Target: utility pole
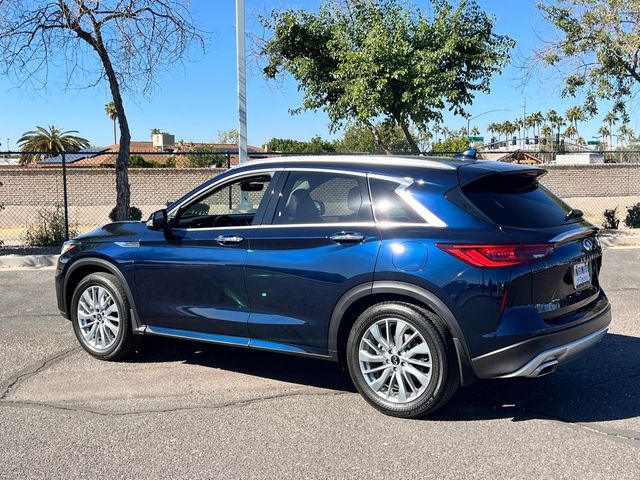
242 82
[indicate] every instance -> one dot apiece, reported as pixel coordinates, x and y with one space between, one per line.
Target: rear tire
101 317
402 360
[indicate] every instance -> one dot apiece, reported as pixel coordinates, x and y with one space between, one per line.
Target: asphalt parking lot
188 410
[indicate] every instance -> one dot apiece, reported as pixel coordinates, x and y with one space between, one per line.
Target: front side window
316 197
234 204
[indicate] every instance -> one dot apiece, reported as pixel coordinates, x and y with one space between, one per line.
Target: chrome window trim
430 219
573 234
312 225
217 184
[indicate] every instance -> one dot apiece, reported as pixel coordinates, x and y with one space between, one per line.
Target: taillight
497 255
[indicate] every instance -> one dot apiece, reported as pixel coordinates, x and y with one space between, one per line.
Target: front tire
101 317
401 360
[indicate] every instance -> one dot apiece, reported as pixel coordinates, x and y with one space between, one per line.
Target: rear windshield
517 200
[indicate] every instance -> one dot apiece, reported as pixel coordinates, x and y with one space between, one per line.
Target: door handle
347 238
229 239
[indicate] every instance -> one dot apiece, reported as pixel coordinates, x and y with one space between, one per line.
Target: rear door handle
347 238
229 239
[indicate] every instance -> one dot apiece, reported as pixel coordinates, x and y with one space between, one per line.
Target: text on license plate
581 274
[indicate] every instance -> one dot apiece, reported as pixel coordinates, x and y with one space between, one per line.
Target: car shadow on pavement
275 366
601 385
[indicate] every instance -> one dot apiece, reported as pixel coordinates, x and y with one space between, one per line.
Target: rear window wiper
573 213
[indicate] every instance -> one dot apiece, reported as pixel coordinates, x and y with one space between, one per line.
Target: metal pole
64 193
242 82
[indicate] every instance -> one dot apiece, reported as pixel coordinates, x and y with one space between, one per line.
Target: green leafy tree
358 138
362 61
52 140
204 156
230 136
122 44
111 112
596 49
453 144
288 145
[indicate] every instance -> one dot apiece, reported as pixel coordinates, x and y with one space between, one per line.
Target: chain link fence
76 193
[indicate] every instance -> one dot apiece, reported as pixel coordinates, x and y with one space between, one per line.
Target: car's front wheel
401 360
101 318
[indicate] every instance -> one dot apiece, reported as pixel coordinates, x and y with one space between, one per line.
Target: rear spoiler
475 171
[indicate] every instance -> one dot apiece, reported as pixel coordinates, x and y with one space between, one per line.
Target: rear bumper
542 354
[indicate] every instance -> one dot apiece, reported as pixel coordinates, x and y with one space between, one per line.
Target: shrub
134 214
204 156
138 161
170 163
633 216
610 220
49 228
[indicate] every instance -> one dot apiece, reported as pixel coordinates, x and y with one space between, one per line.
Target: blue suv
421 275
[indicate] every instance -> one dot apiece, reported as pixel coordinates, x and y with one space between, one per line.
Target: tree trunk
114 132
377 138
123 193
410 140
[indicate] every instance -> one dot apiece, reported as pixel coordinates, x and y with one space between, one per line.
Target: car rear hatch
565 280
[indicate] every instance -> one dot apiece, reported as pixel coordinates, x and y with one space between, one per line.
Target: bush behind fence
30 193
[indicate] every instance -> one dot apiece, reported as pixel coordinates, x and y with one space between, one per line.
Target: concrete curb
28 261
620 241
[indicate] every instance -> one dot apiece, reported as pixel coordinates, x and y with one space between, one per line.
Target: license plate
581 275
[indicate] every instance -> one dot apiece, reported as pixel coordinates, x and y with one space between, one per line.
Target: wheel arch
82 267
356 300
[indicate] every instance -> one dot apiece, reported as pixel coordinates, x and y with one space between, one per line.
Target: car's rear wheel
101 317
401 360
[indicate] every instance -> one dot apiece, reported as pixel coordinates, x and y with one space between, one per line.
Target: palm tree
611 118
546 131
570 132
604 132
536 119
509 128
555 120
518 124
475 132
110 111
53 141
493 128
625 133
574 115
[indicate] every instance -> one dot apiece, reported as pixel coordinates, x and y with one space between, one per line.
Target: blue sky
194 102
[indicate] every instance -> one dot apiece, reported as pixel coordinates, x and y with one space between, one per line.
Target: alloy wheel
395 360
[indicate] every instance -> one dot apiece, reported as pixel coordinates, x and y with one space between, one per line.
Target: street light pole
481 114
242 82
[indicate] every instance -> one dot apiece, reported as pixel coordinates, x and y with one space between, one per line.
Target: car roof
357 162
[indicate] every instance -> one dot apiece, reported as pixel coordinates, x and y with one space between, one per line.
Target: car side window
233 204
388 206
316 197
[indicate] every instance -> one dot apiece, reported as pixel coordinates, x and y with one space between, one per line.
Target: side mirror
158 220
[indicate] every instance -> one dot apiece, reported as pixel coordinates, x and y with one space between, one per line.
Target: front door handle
229 239
347 238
